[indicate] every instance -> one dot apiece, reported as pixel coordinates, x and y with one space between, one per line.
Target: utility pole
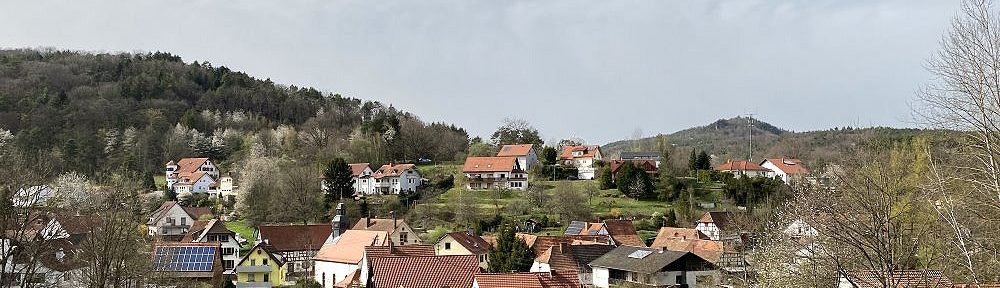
750 131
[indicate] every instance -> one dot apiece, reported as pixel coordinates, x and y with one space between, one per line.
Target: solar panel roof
184 258
575 227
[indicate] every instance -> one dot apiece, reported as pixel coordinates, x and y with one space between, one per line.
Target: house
361 173
74 228
192 175
485 173
800 229
622 232
648 166
373 252
744 168
540 244
397 179
297 244
639 156
714 223
526 280
227 188
652 267
525 154
424 271
261 267
342 258
583 157
55 265
898 279
786 168
399 232
171 221
464 243
188 262
571 258
215 230
689 240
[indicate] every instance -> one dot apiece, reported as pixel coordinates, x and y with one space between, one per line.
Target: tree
569 203
303 199
633 181
511 254
693 161
115 251
704 162
604 178
338 180
549 155
516 131
671 219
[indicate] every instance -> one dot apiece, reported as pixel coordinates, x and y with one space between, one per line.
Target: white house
713 224
363 181
583 158
215 231
525 154
341 258
399 232
192 175
653 267
800 229
397 179
786 168
172 220
227 187
56 266
484 173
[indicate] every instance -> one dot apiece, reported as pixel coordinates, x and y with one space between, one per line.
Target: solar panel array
184 258
639 254
575 227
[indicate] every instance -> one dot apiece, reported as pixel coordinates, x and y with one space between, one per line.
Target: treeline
95 113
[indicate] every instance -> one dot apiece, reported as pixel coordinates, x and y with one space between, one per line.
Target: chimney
368 221
338 222
563 247
662 249
394 225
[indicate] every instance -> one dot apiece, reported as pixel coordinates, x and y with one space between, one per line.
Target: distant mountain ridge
727 139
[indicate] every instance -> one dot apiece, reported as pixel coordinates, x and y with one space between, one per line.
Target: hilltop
729 138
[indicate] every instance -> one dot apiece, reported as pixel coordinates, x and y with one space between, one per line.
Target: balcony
253 269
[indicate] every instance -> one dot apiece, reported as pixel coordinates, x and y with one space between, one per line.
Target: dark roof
475 244
67 261
649 260
77 224
424 271
398 251
565 257
187 260
623 232
639 155
199 227
899 279
719 218
543 243
197 212
269 250
649 166
285 238
575 227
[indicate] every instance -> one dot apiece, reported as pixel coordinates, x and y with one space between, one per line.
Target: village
202 245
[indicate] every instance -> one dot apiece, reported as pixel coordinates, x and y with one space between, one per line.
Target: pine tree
671 219
693 161
337 176
704 162
512 254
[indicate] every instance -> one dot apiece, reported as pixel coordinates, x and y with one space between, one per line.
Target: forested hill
95 113
729 138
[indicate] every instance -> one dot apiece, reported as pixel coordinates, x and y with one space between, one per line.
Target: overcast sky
591 69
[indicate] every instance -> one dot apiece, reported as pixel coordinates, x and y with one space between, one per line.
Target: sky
598 70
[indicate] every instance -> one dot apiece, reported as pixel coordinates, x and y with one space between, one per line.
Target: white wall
335 272
710 230
601 276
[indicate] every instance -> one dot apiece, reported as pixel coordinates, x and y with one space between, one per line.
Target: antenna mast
750 132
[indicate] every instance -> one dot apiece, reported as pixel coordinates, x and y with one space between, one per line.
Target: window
223 238
264 262
447 245
229 264
213 238
253 262
183 221
324 279
402 238
170 220
267 277
250 277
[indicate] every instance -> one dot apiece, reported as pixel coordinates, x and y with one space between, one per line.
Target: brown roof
553 279
899 279
77 224
706 249
351 280
489 164
357 168
390 170
678 233
197 212
543 243
69 260
475 244
350 247
424 271
200 227
741 165
514 150
399 251
623 232
285 238
788 165
719 218
588 151
386 225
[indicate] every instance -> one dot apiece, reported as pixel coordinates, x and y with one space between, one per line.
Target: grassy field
245 231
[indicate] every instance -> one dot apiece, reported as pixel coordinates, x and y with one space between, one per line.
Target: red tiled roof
350 246
706 249
553 279
741 165
286 238
475 244
424 271
489 164
390 170
514 150
399 251
543 243
358 168
190 165
788 165
899 279
378 224
77 224
678 233
588 151
197 212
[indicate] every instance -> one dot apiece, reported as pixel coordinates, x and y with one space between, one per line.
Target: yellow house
464 243
261 268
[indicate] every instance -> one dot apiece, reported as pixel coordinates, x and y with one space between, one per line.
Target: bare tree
301 195
20 216
116 251
965 96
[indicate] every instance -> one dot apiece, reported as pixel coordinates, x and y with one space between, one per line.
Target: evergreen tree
512 254
671 219
549 155
693 161
170 195
704 162
338 180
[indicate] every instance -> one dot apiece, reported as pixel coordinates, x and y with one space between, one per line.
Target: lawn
245 231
